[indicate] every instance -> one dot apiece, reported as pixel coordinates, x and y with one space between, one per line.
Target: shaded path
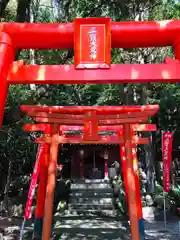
90 228
81 228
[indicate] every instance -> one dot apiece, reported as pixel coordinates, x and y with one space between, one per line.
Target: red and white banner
33 183
167 138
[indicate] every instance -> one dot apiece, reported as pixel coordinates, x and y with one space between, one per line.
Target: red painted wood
51 181
35 127
101 122
99 109
44 163
102 140
123 34
7 54
137 183
119 73
83 117
42 182
131 183
136 127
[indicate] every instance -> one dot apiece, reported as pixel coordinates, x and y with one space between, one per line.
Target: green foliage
168 9
172 198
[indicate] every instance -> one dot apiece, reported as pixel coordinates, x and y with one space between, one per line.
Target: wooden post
44 161
47 221
138 193
124 169
7 53
131 183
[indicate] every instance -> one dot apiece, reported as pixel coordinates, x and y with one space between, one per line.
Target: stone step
90 186
86 223
89 206
89 229
88 181
92 212
91 200
92 190
89 234
95 228
94 194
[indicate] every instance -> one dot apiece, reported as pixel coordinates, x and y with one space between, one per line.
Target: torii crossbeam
92 65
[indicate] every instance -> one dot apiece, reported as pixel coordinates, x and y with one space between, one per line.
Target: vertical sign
33 183
92 43
124 169
167 138
90 127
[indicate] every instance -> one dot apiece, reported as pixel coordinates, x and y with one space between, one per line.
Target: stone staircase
90 213
91 197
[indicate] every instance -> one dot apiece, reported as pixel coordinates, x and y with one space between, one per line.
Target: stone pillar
106 156
81 153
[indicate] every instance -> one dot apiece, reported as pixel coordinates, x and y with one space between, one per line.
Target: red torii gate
91 118
92 39
67 35
115 129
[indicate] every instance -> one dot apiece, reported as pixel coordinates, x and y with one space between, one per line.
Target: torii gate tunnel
54 121
92 40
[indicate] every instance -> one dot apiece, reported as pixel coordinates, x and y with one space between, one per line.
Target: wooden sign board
90 127
92 43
